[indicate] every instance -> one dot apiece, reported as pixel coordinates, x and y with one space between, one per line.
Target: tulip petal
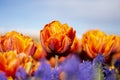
43 43
53 44
3 62
66 43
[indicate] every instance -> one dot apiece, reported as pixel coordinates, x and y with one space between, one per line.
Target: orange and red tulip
16 41
56 37
9 62
95 42
39 53
76 46
92 42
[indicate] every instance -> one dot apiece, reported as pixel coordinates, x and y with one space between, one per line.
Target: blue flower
70 67
3 76
21 74
86 71
44 71
99 60
55 74
110 74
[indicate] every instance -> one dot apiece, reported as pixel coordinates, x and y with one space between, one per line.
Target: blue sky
30 16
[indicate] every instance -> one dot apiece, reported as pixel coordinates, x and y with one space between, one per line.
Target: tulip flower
1 42
9 62
116 44
93 42
16 41
111 46
39 53
3 62
96 42
56 37
76 46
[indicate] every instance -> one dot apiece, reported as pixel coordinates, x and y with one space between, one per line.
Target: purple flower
55 74
110 74
44 71
21 74
3 76
99 60
70 67
86 71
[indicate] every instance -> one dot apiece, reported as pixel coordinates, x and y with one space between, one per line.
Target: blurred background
30 16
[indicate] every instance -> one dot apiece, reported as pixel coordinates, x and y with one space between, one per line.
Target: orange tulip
56 37
95 42
1 43
76 46
18 42
9 62
108 45
116 44
12 63
92 42
39 53
3 62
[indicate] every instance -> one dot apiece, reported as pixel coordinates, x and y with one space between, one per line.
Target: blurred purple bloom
86 71
21 74
99 60
71 68
44 71
55 74
110 74
3 76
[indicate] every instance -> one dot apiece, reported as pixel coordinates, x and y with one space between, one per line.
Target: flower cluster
18 51
59 55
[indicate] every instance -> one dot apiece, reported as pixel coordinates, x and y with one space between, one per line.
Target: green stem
56 61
